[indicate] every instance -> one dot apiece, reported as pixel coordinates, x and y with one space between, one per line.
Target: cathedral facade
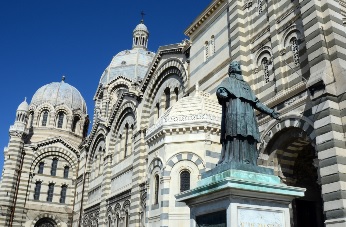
156 124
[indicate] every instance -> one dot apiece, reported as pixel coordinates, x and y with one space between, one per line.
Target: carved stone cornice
261 45
204 16
176 130
288 24
266 30
288 12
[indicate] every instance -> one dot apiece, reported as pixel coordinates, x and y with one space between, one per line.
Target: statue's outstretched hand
275 115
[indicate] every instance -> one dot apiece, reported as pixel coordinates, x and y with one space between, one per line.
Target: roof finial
142 13
25 99
63 78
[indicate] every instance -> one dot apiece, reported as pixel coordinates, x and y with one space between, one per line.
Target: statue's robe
239 129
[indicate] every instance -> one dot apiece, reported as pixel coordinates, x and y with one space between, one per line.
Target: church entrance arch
293 156
45 222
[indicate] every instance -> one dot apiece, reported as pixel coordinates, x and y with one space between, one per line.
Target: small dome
131 64
24 106
192 110
198 105
141 27
58 93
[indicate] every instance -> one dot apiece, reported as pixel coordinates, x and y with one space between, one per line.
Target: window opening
66 171
260 6
176 91
31 119
184 181
212 45
37 190
40 167
109 221
158 110
265 69
295 50
126 138
127 219
206 51
44 118
156 201
74 124
63 194
168 97
54 167
50 192
60 119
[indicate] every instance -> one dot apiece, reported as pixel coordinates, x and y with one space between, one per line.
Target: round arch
46 218
69 156
184 156
169 67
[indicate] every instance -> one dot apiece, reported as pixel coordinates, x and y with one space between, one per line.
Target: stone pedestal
240 195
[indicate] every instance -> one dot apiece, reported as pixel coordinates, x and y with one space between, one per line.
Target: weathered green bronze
239 129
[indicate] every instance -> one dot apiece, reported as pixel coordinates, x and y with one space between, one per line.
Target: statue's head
234 67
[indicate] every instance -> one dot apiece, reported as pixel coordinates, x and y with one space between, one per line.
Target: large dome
58 93
131 64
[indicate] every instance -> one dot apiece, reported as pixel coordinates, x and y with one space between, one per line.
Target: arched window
31 119
206 51
109 221
61 117
157 187
176 92
44 118
126 219
168 98
45 222
295 50
63 193
54 167
260 6
212 45
265 66
37 190
66 170
50 192
158 110
184 180
118 221
40 167
126 138
75 123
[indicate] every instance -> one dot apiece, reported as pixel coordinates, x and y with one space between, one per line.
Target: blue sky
41 40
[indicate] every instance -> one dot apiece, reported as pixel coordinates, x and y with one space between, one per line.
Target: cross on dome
143 14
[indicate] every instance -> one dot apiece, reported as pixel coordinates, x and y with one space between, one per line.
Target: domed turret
22 113
24 106
140 36
21 117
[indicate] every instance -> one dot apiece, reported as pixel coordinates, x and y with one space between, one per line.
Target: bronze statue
239 129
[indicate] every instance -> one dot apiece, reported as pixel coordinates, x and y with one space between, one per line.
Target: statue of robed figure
239 129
